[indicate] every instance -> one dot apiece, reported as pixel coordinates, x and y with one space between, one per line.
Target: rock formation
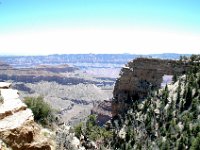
103 111
17 127
138 77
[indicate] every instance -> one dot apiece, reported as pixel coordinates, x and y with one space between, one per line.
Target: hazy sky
99 26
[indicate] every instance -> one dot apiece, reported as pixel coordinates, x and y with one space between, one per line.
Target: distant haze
88 26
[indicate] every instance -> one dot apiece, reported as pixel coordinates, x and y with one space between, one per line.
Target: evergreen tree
188 98
165 95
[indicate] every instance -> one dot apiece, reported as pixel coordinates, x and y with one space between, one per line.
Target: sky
42 27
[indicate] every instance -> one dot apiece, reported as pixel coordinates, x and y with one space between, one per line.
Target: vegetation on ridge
93 132
166 119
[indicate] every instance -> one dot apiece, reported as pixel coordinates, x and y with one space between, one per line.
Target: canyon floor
71 91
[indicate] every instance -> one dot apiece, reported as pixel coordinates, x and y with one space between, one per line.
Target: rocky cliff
17 127
139 76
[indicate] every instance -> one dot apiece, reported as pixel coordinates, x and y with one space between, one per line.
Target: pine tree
188 98
165 95
175 78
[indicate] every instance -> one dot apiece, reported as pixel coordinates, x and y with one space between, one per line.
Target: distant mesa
4 65
56 68
40 73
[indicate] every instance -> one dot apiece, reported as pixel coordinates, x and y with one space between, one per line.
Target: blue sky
99 26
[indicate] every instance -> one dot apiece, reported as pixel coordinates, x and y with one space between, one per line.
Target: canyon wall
61 74
40 73
138 77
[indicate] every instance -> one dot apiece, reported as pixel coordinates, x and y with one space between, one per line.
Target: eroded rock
140 76
17 127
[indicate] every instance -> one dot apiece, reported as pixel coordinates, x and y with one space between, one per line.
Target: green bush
78 130
196 143
91 130
42 111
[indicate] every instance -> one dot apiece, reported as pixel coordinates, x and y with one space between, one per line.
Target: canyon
136 79
75 101
70 90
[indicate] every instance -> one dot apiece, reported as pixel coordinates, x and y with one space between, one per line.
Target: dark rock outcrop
103 111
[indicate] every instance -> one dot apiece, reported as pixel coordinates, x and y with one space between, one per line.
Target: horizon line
27 55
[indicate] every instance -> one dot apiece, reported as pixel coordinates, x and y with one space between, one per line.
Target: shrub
91 130
196 143
78 130
42 111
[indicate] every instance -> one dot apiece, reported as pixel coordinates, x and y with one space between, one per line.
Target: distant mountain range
30 61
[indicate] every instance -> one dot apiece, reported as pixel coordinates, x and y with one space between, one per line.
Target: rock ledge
17 127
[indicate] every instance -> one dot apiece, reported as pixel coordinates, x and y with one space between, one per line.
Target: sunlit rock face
141 75
17 127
